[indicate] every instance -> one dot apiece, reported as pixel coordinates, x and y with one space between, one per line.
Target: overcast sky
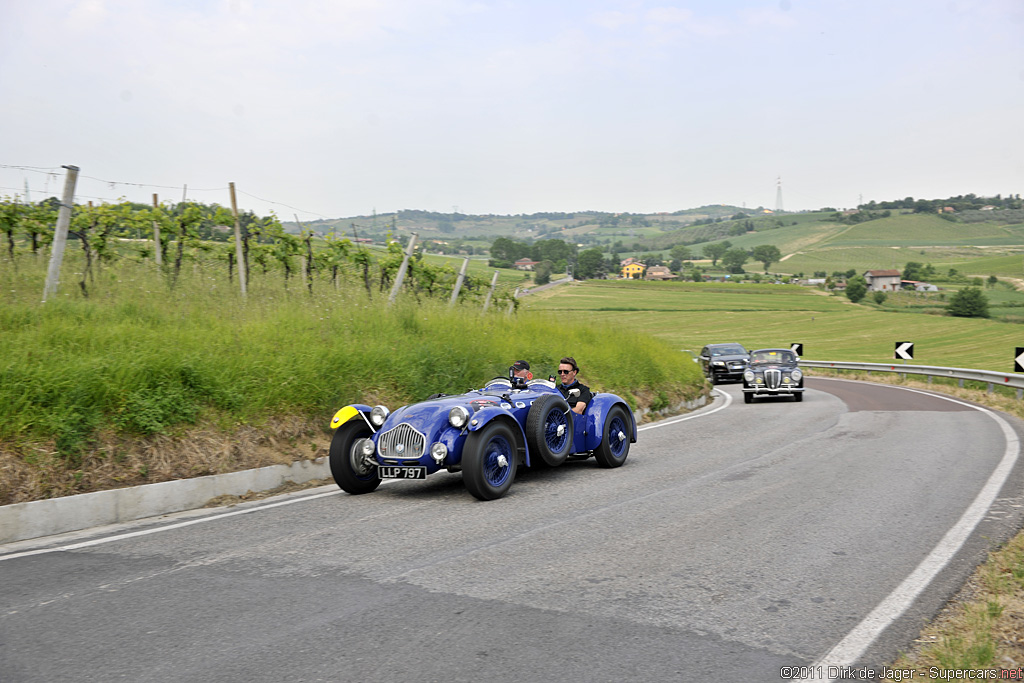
338 108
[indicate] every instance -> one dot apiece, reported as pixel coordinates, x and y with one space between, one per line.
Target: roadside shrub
970 302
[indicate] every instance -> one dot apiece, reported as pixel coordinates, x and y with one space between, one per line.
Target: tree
716 250
968 303
766 254
734 259
913 271
992 281
880 297
856 288
680 252
590 264
542 273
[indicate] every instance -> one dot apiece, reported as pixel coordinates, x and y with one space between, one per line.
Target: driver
522 369
577 395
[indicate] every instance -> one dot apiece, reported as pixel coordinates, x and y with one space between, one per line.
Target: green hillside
927 230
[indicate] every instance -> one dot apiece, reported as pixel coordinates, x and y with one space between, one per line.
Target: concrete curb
37 518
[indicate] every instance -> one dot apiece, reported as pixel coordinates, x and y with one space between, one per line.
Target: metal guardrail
991 378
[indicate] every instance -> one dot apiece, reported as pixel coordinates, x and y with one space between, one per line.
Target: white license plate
391 472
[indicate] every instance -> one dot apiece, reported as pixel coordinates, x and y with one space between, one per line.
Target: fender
596 414
349 412
484 416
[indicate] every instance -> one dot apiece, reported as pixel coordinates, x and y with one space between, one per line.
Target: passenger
577 395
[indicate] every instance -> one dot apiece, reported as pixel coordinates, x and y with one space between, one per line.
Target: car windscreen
729 351
764 357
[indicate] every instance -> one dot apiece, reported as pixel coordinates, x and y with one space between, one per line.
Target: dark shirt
584 397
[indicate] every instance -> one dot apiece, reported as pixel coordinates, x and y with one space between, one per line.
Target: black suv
723 361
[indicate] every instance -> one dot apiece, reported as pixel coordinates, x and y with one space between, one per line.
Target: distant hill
582 227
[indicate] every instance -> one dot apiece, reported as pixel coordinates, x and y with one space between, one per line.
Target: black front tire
547 416
489 461
614 446
798 397
748 398
347 467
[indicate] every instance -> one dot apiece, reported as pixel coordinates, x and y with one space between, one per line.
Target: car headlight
458 417
378 415
439 452
796 375
717 362
367 447
748 376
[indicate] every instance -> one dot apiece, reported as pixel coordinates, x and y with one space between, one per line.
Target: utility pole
238 241
401 271
458 282
156 234
490 292
60 234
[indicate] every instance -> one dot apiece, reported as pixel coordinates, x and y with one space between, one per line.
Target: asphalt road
733 543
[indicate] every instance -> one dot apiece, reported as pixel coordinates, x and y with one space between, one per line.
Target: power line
114 183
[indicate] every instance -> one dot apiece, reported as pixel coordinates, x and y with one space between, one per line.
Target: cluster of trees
962 202
733 258
505 252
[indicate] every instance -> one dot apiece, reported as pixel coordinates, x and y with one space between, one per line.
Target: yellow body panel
343 416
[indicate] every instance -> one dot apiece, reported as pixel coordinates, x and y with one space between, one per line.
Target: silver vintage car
773 372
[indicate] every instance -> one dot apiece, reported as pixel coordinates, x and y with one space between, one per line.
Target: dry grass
36 472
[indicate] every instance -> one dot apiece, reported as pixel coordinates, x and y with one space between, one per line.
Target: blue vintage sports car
484 434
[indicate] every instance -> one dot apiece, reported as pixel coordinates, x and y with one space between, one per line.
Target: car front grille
772 378
402 442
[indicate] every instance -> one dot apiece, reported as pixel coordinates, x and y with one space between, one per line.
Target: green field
689 315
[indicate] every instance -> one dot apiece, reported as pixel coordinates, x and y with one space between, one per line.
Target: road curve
736 541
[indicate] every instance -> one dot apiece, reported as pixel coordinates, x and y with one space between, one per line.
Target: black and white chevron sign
904 351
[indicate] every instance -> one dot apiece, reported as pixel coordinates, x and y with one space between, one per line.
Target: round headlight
378 415
367 447
458 417
748 376
796 375
438 452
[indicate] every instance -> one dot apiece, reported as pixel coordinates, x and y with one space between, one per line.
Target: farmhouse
634 269
659 273
882 280
525 264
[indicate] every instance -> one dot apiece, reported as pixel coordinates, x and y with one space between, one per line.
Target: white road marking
857 641
146 532
676 420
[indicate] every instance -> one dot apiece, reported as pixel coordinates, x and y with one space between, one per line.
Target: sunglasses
565 372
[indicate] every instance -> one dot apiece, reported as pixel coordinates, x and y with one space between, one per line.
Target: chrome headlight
378 415
439 452
367 447
748 376
796 375
458 417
